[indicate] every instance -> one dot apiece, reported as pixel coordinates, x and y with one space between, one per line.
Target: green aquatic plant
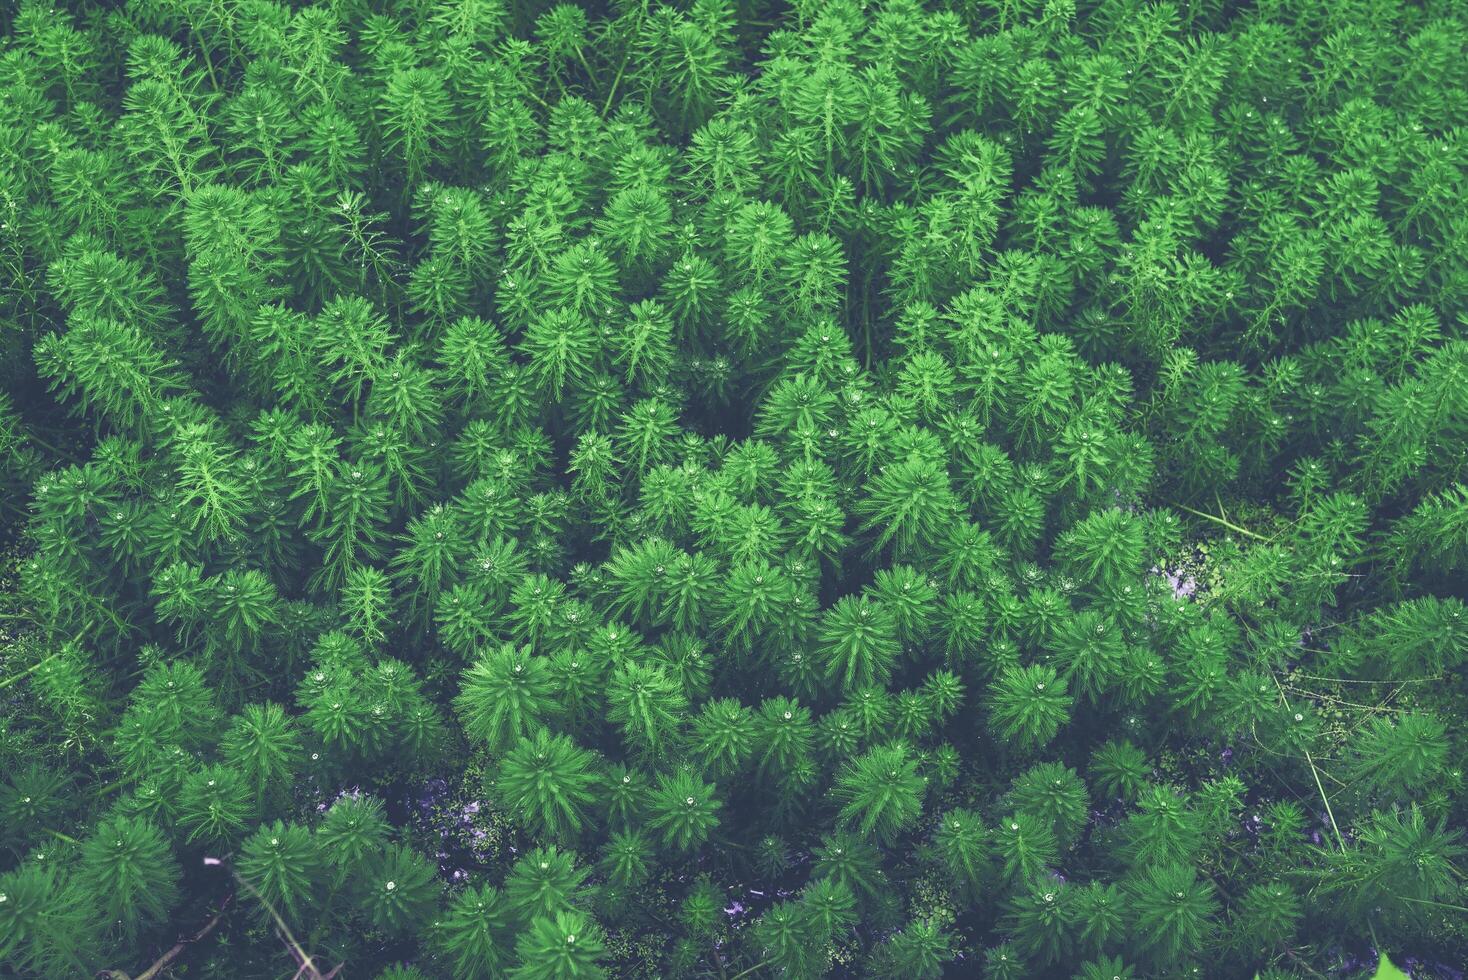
719 490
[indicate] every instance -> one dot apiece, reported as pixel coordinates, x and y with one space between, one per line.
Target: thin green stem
744 973
1428 901
1314 771
1219 520
626 56
36 440
22 675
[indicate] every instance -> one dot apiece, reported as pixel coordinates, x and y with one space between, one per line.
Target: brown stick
166 960
307 966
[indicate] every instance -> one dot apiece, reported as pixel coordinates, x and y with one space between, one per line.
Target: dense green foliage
727 489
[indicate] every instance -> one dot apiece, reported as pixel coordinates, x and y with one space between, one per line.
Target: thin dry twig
164 962
1314 771
307 966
